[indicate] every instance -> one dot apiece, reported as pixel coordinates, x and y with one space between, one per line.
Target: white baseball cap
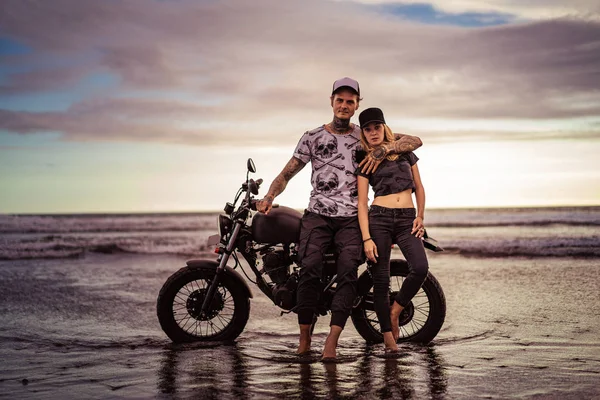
346 82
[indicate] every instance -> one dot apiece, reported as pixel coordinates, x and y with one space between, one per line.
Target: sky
155 105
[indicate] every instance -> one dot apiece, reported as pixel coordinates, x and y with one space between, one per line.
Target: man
331 216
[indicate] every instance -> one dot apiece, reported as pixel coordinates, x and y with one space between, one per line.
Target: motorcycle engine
285 294
276 264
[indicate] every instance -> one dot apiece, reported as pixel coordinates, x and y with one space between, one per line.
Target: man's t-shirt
333 160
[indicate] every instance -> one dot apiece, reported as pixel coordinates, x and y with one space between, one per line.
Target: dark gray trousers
317 234
388 226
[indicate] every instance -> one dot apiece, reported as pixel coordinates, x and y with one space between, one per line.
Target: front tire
180 300
420 321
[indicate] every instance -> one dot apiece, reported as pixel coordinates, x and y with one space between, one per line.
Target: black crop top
391 176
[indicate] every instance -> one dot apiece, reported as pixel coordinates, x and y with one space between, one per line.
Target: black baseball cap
372 114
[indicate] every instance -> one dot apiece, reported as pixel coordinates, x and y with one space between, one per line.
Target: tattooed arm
403 144
279 183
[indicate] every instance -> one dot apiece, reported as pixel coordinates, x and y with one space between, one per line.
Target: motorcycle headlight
224 224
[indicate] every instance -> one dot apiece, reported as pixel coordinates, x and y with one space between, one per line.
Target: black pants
388 226
317 233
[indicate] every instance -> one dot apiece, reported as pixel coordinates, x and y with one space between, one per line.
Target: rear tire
420 321
180 299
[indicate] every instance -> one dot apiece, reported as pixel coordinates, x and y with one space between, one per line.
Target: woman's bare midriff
395 200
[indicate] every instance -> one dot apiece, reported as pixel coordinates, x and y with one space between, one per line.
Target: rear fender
228 271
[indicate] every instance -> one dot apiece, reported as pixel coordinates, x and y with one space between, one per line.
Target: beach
78 306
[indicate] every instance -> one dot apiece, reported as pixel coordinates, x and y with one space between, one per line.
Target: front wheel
180 301
420 321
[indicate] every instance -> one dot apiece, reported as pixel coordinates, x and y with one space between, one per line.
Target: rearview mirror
251 166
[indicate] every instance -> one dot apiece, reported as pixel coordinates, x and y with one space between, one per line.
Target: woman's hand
418 228
371 250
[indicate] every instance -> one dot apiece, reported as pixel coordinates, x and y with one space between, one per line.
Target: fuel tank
281 225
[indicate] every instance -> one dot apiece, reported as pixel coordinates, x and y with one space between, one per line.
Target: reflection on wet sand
213 372
227 372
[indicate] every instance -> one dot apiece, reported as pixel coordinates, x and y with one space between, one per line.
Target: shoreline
87 328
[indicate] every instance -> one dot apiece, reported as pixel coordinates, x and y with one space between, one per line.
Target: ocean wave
483 224
561 232
25 224
578 252
58 246
552 244
193 247
97 344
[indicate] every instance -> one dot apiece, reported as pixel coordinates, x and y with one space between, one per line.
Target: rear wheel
419 322
180 301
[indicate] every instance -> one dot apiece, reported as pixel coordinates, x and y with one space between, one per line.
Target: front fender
228 271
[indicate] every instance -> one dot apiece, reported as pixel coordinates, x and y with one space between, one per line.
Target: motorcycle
210 301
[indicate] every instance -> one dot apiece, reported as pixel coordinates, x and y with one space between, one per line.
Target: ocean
528 232
78 305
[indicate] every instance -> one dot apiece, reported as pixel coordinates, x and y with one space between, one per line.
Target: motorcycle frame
241 241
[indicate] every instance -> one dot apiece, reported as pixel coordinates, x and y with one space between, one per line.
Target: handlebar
253 205
252 186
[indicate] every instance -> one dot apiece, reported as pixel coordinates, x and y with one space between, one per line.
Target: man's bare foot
303 347
305 339
329 350
394 316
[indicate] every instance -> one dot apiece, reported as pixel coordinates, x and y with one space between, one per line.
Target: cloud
531 9
213 72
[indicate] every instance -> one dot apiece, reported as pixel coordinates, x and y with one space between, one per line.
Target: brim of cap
373 120
344 87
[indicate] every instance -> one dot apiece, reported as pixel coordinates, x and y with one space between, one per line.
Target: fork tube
228 250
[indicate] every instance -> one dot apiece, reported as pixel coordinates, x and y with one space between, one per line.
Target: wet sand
87 328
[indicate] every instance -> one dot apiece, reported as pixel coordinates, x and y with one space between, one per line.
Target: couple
340 183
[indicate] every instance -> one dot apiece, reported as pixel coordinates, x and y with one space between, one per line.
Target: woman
392 218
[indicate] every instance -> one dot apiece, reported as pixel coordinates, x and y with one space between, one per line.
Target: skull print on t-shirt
334 183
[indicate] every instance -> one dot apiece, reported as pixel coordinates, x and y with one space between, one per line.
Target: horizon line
189 212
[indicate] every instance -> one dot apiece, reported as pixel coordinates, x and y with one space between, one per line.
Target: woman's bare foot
394 316
389 342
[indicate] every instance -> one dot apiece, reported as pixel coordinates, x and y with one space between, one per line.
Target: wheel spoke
187 320
182 298
220 317
179 308
211 325
414 317
425 314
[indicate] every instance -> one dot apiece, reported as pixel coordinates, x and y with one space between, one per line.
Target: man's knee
311 268
350 257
